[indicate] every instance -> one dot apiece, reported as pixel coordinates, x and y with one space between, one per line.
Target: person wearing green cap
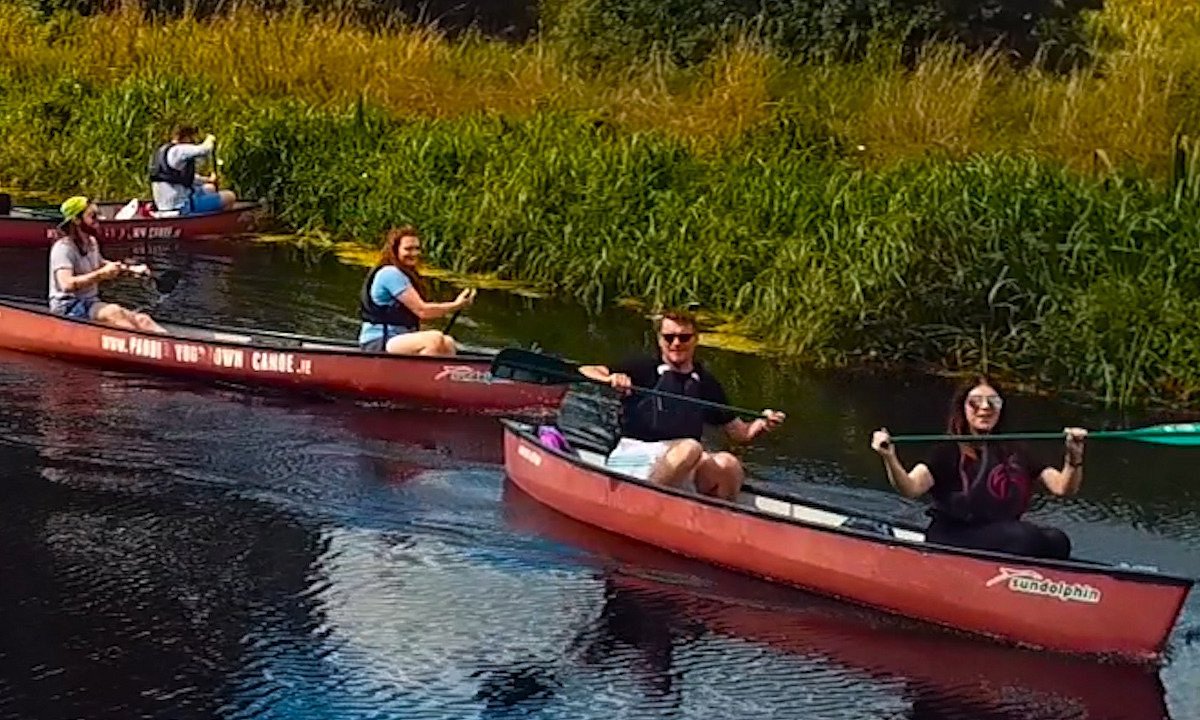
77 269
173 179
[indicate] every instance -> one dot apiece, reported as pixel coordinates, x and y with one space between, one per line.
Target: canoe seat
588 419
868 525
591 458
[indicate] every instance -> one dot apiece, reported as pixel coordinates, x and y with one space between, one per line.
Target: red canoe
1074 607
37 227
257 357
670 595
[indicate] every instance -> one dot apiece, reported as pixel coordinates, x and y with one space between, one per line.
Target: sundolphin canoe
276 359
1066 606
38 227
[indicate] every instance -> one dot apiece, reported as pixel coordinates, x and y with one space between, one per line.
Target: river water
181 550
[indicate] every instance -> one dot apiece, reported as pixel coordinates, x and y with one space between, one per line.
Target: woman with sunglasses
392 302
980 490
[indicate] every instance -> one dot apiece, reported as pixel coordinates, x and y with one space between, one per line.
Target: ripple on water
178 550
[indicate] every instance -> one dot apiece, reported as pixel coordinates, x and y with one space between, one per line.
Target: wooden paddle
1184 434
538 369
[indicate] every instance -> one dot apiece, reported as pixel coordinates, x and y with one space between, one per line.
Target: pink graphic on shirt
1006 477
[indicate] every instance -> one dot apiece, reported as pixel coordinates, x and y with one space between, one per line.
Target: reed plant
954 211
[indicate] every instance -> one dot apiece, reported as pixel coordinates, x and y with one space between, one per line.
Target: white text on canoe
1031 582
467 374
258 361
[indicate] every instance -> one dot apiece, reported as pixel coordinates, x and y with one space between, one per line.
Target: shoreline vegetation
943 208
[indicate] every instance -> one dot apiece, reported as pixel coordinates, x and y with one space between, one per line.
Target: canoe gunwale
50 214
204 334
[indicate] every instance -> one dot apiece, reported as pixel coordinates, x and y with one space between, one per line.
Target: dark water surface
179 550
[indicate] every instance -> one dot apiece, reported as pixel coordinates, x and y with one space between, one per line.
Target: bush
687 31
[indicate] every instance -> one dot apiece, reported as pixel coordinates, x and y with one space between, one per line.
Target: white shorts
637 457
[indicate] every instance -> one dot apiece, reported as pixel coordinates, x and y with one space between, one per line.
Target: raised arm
1066 481
910 484
742 432
412 300
601 373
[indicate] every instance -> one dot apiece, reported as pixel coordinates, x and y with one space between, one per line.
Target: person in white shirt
173 178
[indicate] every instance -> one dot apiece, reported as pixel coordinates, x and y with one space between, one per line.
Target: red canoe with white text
38 227
274 359
1067 606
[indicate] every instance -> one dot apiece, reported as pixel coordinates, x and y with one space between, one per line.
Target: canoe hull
456 383
1063 606
19 230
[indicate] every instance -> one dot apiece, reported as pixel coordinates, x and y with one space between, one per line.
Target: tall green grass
955 214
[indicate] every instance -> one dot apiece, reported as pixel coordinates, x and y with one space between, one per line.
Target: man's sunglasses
683 338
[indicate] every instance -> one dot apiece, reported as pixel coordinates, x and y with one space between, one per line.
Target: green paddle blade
1180 434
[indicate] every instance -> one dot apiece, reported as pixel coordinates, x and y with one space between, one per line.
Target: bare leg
227 199
113 314
144 322
425 342
720 475
677 463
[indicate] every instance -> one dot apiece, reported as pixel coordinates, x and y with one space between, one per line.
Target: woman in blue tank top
392 302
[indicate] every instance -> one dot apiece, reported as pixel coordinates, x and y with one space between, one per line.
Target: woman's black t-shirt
995 484
651 417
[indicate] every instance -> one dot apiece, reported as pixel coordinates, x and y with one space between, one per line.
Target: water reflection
658 604
180 549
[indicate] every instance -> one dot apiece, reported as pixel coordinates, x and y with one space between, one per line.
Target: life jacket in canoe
160 171
392 315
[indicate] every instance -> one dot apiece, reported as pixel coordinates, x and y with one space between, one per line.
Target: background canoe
37 227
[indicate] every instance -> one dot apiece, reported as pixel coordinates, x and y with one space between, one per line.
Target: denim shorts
80 308
379 344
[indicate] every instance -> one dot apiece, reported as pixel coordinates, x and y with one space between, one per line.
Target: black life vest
160 171
395 314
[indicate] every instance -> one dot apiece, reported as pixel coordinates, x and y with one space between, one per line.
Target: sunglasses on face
683 338
979 402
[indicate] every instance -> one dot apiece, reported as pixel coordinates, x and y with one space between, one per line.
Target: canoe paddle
1185 434
453 319
535 368
164 282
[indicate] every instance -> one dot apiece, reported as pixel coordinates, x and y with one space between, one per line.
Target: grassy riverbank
948 214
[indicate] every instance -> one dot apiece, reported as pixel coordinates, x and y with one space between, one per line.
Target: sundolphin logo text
1032 582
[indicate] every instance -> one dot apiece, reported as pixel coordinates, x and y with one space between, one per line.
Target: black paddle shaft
531 367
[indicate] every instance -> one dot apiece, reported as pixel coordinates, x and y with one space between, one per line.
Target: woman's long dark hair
391 256
956 419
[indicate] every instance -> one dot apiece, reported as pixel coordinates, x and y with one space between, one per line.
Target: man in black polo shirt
660 437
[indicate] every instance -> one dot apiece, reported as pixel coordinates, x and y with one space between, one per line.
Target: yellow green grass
1127 105
959 213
